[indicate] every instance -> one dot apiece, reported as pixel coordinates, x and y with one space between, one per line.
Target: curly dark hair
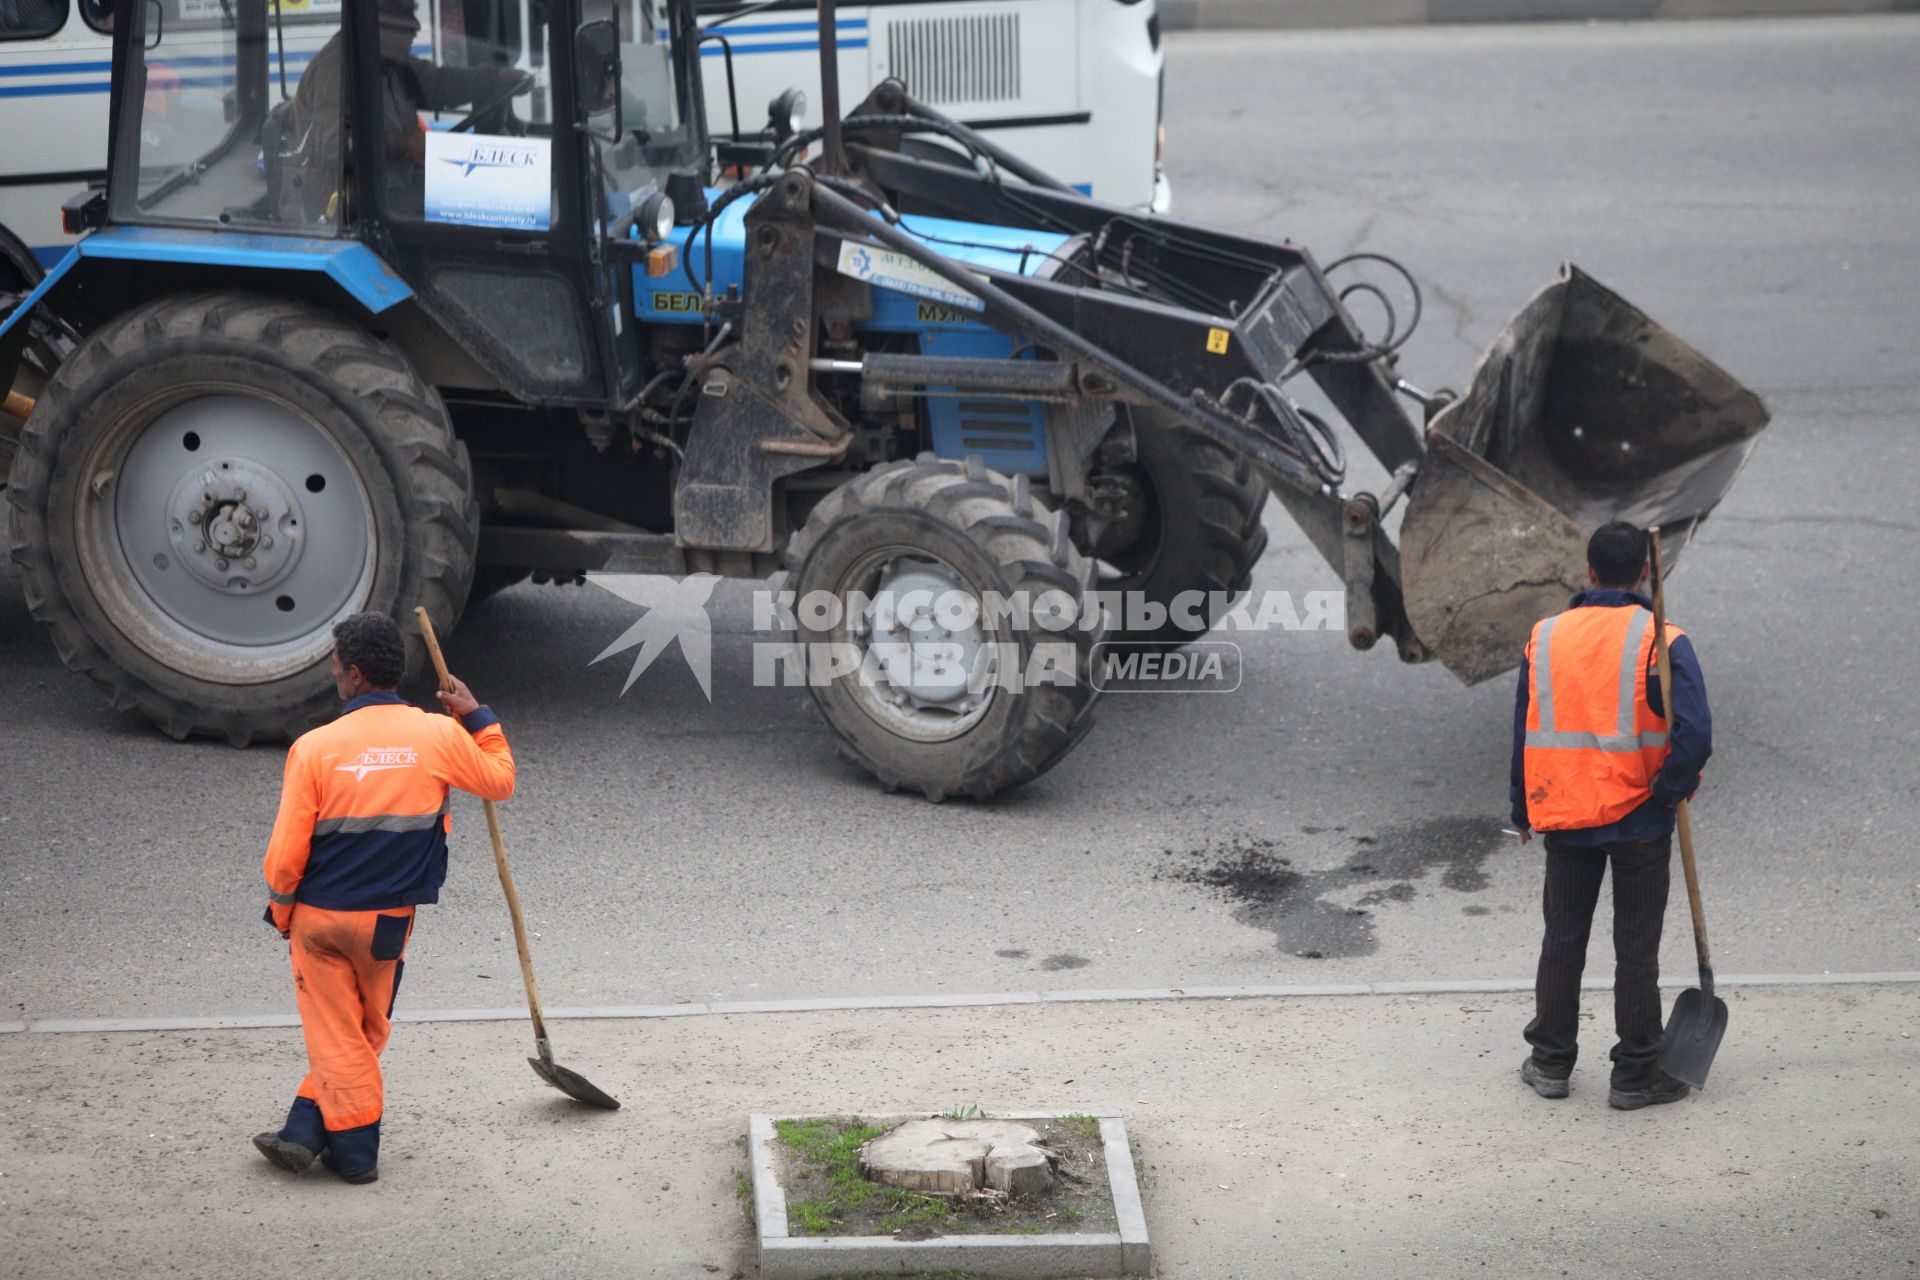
372 642
1617 553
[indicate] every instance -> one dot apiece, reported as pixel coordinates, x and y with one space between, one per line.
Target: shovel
571 1083
1699 1018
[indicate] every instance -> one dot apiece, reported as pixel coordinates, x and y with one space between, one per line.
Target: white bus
1074 86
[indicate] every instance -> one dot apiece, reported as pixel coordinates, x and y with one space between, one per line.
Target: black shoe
1543 1084
290 1156
1664 1088
355 1176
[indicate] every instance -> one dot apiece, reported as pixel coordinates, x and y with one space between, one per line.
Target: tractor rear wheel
209 483
1192 536
900 577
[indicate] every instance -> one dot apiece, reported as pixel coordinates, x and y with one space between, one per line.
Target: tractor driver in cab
316 120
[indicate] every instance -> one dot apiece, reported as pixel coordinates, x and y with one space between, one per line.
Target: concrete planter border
1124 1252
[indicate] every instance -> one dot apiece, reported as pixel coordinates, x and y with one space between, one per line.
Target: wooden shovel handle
1682 819
499 849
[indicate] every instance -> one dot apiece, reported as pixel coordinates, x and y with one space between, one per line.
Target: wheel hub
235 525
927 648
243 530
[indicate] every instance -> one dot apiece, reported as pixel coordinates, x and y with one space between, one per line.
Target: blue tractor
394 302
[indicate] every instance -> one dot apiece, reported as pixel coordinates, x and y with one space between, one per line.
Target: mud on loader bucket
1582 411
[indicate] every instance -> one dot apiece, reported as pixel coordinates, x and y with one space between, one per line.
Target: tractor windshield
659 125
214 138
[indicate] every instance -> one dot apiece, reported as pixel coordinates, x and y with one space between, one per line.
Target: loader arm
1125 347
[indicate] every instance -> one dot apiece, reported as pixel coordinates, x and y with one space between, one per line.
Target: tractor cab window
655 120
467 124
236 115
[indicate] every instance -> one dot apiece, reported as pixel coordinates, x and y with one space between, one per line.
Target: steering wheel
497 112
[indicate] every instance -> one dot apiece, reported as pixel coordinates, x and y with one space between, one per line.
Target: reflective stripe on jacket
1593 746
363 805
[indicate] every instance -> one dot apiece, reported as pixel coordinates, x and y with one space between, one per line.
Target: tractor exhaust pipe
833 161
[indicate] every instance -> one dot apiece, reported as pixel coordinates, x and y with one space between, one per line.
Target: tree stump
954 1157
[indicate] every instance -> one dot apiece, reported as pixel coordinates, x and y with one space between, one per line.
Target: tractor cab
485 150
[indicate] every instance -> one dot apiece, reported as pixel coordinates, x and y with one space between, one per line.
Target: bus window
98 15
31 19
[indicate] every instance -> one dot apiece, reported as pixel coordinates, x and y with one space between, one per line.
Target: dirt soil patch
818 1161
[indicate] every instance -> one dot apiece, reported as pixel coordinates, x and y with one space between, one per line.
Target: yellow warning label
1217 341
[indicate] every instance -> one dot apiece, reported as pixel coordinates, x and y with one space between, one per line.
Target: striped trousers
1640 873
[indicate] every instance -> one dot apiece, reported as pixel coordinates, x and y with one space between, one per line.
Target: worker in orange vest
361 840
1598 766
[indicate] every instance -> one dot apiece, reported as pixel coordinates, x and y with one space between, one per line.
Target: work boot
355 1176
290 1156
1543 1084
1662 1088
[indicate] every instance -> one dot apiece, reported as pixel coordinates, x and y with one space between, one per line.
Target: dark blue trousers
1640 875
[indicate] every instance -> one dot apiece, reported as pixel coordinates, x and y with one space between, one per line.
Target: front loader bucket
1582 411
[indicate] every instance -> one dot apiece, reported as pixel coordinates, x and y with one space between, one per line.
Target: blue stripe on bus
713 50
53 90
77 68
787 28
53 68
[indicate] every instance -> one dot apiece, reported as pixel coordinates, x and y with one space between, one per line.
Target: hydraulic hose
849 217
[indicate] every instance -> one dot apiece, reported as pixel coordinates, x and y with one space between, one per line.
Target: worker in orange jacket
1602 756
361 840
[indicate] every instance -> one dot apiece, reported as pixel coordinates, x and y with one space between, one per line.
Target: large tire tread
377 384
1219 536
1031 547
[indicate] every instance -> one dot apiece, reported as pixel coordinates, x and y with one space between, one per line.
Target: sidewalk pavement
1374 1136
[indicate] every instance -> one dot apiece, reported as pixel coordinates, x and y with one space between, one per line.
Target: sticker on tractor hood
484 180
888 269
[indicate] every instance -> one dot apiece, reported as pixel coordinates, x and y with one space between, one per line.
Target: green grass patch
826 1152
1087 1127
743 1192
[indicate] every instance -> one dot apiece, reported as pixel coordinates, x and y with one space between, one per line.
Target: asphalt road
1752 184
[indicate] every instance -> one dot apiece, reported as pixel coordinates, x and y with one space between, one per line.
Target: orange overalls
361 839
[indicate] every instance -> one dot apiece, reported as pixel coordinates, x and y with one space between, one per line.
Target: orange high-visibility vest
1593 745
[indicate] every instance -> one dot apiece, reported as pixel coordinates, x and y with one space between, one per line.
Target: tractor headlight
784 112
656 217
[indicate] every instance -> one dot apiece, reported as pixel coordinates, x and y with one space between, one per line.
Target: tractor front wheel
210 483
942 610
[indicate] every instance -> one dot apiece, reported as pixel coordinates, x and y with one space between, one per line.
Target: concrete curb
992 999
1125 1252
1215 15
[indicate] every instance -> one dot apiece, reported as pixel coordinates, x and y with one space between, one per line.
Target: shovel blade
1694 1029
573 1084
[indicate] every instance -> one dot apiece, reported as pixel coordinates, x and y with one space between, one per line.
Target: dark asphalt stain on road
1269 893
1011 954
1066 961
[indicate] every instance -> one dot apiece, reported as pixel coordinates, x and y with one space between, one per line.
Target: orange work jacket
363 805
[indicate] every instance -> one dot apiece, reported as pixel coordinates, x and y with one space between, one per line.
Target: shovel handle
1682 819
499 852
